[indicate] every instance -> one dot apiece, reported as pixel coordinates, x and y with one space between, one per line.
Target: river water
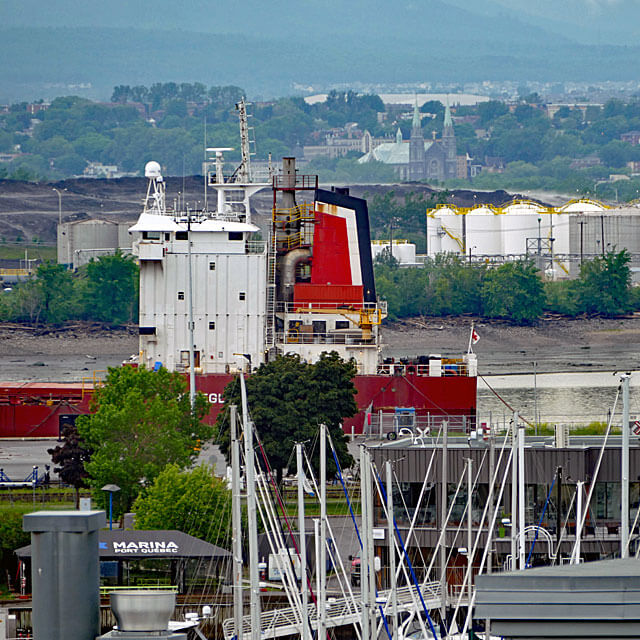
557 397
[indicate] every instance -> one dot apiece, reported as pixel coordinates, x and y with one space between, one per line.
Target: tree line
515 291
104 290
170 121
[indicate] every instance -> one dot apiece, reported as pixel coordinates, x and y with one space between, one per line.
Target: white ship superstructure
228 269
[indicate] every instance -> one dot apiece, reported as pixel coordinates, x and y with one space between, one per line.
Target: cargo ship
219 296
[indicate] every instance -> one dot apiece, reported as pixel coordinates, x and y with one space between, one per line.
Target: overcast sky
604 21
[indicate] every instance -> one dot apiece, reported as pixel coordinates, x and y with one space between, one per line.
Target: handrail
282 622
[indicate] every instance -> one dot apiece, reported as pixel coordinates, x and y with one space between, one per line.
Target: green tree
12 537
110 294
55 285
513 291
604 284
455 286
141 422
193 501
288 399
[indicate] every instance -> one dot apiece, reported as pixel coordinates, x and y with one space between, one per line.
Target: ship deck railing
447 370
422 429
341 611
345 337
340 307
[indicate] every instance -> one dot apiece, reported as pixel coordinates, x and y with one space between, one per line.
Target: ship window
151 235
212 266
235 235
180 295
182 235
242 295
212 325
342 324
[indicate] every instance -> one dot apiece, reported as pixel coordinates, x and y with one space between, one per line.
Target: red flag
474 336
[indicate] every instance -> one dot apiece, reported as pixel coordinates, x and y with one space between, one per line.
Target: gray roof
590 600
123 544
391 152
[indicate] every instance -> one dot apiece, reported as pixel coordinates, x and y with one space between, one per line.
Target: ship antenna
243 172
154 201
204 166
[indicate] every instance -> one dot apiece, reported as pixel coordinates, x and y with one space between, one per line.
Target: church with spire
419 159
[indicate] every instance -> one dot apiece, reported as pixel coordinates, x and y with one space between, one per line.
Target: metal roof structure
120 544
591 600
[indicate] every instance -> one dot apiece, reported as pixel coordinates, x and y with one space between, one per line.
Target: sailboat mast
302 534
252 516
514 490
322 569
365 560
392 552
443 519
521 498
236 523
624 519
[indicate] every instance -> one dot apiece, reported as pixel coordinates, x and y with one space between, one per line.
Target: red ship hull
38 410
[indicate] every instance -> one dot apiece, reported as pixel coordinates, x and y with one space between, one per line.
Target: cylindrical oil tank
484 235
520 221
404 252
434 237
449 230
560 231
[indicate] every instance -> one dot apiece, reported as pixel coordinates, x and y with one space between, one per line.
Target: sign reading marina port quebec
143 547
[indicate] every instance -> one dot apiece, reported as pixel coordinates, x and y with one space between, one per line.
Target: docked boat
218 295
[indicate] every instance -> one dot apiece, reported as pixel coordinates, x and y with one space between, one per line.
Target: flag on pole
473 338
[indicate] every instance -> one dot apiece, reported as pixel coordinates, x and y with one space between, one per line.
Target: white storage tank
521 220
448 229
402 250
484 233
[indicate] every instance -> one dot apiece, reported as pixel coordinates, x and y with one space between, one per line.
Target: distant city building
340 141
634 165
586 162
36 107
632 137
420 159
494 164
99 170
553 108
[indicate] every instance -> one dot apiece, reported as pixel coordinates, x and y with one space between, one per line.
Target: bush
605 283
513 291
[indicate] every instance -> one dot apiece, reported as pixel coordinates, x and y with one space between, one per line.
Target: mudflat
555 344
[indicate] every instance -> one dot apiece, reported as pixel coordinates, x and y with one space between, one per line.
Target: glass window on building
607 500
405 500
458 512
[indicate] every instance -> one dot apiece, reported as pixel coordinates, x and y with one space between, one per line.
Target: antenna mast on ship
243 172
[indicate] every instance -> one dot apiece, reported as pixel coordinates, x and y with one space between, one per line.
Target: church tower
417 169
449 144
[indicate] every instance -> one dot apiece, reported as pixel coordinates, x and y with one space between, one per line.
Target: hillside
30 210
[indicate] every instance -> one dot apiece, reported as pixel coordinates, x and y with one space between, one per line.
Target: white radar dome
152 170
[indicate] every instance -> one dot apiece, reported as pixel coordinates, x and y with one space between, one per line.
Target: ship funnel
138 610
288 183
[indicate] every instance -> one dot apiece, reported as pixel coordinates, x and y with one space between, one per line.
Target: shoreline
555 344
